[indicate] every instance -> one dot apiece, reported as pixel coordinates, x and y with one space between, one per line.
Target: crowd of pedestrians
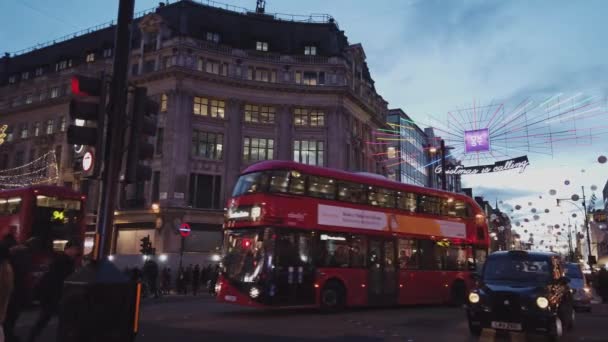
189 280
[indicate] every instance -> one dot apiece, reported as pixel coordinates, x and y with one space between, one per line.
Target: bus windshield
243 254
56 220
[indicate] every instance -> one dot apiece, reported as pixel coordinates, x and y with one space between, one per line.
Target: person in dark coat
166 280
602 278
51 286
187 278
180 281
21 261
150 275
215 273
196 278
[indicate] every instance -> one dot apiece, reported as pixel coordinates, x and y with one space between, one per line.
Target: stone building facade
233 87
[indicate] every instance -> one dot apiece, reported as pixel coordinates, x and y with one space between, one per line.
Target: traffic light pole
115 128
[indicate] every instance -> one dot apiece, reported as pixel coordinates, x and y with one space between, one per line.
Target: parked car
521 291
581 291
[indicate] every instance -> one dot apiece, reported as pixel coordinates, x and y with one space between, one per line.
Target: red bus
302 235
50 214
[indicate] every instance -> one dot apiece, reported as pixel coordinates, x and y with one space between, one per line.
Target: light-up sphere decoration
547 211
602 159
575 197
536 217
517 207
533 210
556 226
552 192
593 187
567 182
573 214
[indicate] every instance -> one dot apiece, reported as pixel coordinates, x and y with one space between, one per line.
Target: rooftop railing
311 18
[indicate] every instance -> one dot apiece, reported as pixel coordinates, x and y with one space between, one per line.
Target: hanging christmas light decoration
602 159
42 170
552 192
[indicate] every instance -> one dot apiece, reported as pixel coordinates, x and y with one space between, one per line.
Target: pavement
187 318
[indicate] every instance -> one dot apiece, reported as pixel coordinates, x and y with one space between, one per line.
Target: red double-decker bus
298 235
51 214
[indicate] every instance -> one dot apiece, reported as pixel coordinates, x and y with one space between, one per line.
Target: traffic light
143 128
146 246
87 113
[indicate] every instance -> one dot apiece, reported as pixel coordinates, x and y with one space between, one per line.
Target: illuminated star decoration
483 134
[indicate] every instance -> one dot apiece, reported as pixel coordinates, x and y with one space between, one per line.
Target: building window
207 145
42 95
29 98
90 57
62 124
9 134
12 79
149 65
19 158
39 71
255 149
310 50
225 69
64 64
310 78
213 37
158 148
259 114
200 64
261 46
23 130
54 92
250 72
206 107
205 191
36 129
135 69
212 67
309 152
107 52
25 75
49 126
32 155
306 117
163 102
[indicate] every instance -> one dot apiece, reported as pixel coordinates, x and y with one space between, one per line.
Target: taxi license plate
506 326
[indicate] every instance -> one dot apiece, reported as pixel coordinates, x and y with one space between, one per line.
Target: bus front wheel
333 296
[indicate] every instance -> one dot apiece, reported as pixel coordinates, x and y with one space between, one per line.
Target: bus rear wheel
333 297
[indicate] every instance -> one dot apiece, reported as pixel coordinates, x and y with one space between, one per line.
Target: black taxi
521 291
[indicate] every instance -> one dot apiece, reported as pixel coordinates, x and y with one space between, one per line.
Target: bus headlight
218 287
256 212
542 302
474 298
254 292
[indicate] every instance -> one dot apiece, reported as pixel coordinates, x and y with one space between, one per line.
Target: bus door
382 272
293 276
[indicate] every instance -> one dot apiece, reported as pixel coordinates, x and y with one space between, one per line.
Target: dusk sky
431 57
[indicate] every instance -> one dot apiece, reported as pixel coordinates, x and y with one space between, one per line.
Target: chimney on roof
161 4
260 6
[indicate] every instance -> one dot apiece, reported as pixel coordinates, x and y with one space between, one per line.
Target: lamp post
572 201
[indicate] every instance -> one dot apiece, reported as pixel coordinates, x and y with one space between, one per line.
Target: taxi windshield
507 268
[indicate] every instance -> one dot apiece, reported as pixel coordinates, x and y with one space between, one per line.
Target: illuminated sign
58 215
477 140
3 129
87 161
504 165
334 238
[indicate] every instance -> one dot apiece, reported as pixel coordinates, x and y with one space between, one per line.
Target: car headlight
474 298
542 302
254 292
586 290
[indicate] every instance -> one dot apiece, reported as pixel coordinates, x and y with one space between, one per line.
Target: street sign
184 230
87 161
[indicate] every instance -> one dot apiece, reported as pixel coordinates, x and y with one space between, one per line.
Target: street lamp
572 201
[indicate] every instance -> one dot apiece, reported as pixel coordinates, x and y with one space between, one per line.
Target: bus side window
408 254
358 251
381 197
406 201
321 187
352 192
334 250
297 183
278 181
428 255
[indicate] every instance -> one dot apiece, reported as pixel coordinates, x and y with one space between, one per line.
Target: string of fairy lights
42 170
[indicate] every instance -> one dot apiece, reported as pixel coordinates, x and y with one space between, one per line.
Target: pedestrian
20 256
196 277
166 280
205 275
180 281
187 278
6 286
603 284
213 279
51 285
150 276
